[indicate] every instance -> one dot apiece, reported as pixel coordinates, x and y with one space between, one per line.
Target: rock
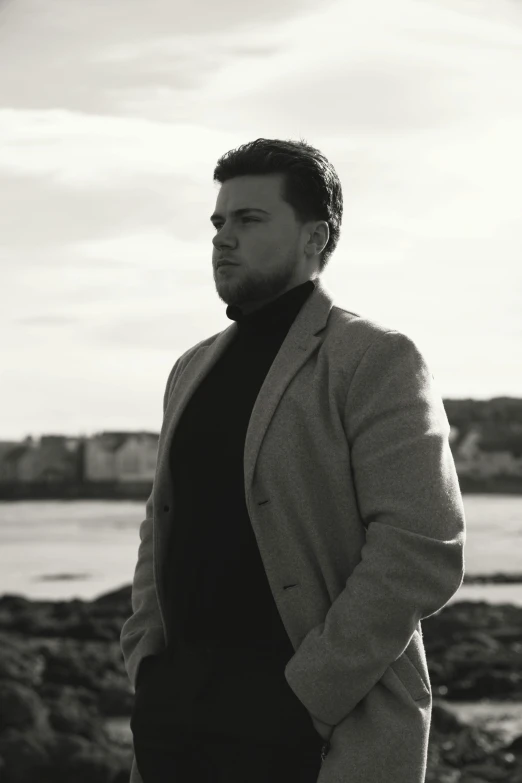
481 684
64 746
483 640
70 715
516 746
78 759
88 664
99 619
67 666
93 764
26 758
51 691
116 695
484 772
117 600
473 651
20 664
21 708
443 720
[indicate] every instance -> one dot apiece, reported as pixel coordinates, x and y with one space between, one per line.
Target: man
305 516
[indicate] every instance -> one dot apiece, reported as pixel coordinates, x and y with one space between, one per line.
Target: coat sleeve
142 633
409 499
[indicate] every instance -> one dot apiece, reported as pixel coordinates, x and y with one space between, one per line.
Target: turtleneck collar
275 314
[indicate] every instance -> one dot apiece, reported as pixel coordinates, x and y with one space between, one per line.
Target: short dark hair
310 185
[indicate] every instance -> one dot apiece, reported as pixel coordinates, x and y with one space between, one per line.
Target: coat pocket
416 683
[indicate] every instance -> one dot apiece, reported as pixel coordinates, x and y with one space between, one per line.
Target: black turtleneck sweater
216 582
219 603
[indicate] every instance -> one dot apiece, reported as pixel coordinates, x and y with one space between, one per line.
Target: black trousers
220 722
207 759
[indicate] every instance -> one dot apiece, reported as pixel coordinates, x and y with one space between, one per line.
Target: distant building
468 448
471 460
481 448
136 458
54 458
10 451
121 456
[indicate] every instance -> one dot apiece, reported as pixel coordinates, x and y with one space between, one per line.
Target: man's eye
217 226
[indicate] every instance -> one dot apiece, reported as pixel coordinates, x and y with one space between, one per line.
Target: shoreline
496 578
140 490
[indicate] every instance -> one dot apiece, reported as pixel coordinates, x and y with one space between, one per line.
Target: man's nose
223 239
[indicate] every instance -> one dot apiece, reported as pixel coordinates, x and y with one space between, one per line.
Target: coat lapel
301 341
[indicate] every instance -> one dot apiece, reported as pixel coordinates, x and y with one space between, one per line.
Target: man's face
265 244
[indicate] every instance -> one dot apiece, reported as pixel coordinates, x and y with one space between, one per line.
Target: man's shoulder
343 324
346 329
358 330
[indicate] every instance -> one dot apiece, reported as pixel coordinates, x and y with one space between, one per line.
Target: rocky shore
62 681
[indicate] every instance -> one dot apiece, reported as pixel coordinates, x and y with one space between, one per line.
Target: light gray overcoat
353 496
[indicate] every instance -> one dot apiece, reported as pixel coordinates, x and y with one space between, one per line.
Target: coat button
165 508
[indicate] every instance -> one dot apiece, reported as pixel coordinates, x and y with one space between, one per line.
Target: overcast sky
113 116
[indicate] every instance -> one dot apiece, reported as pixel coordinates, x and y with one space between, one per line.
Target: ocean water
81 549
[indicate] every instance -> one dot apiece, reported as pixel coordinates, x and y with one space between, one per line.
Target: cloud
80 151
46 320
82 55
41 221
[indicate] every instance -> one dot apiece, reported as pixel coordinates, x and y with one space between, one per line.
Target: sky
112 118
